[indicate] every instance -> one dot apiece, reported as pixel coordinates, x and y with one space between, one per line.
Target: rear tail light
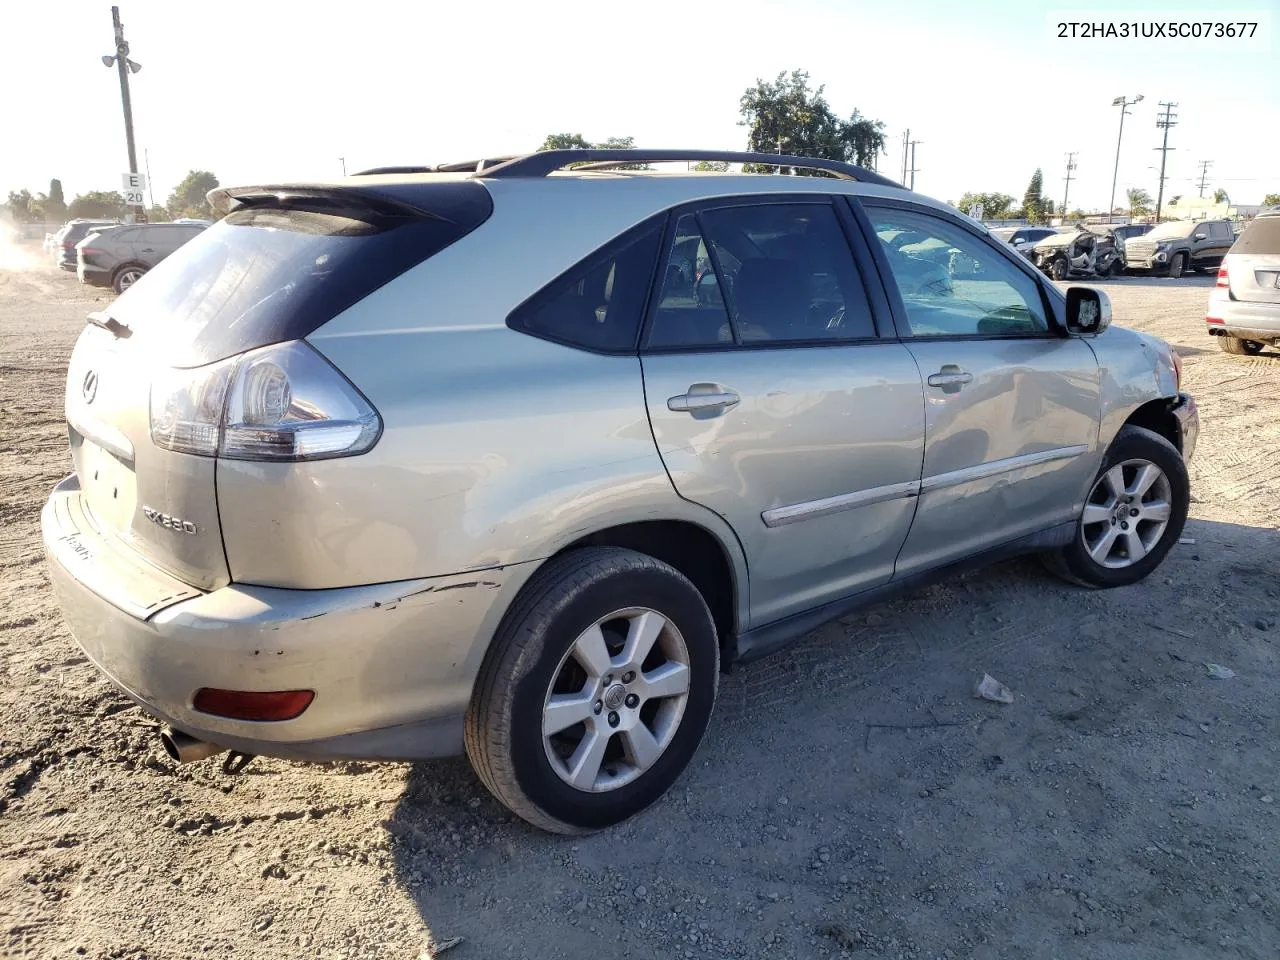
87 251
1215 320
251 705
1177 370
1223 280
284 402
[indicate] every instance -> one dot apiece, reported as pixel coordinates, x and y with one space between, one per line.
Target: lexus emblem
89 388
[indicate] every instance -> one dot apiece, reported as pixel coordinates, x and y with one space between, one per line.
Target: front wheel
1240 348
596 691
1058 270
1177 264
1133 515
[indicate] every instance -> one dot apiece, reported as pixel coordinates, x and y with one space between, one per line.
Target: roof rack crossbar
547 162
462 166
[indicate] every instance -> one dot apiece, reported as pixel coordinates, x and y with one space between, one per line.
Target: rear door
1218 238
1253 266
775 403
1011 405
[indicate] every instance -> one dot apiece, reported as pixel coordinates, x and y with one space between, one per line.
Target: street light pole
1124 105
343 160
124 65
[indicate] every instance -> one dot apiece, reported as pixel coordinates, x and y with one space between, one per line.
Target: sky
279 90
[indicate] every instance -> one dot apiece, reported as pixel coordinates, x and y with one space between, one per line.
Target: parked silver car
1244 307
419 462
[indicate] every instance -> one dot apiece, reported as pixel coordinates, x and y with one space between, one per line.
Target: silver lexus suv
515 456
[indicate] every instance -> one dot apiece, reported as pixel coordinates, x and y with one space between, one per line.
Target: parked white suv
514 458
1244 307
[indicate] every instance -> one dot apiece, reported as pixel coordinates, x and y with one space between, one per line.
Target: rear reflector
249 705
1222 277
1215 320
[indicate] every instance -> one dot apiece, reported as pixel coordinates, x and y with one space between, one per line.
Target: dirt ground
851 799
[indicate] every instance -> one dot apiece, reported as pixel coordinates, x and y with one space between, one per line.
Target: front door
1011 405
774 402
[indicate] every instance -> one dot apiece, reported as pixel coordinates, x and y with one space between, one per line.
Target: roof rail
463 166
548 161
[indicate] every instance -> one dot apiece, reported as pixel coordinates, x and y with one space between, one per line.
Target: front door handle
704 398
950 378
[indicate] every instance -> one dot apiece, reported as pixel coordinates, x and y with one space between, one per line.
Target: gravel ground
851 798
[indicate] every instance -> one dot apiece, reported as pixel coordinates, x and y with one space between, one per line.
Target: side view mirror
1200 236
1088 311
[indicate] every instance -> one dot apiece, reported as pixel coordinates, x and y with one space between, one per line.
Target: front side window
760 273
952 283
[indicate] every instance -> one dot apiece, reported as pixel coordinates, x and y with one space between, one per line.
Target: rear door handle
704 398
950 378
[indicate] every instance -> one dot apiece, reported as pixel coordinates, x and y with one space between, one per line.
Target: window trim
1053 306
606 251
878 305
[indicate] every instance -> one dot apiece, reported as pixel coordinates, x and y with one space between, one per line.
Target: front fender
1134 368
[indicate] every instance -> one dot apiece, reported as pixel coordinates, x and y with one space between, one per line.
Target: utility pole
906 140
1071 165
1204 173
124 67
914 169
1164 121
1124 103
343 161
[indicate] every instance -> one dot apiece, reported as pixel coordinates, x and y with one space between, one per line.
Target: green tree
97 205
55 205
1033 198
995 206
1174 199
22 206
158 214
787 116
1271 200
1139 201
711 166
188 197
565 141
1220 196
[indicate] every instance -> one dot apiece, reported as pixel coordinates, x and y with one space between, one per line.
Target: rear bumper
392 665
88 273
1243 319
1187 414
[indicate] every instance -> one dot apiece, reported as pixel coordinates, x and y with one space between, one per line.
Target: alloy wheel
1126 513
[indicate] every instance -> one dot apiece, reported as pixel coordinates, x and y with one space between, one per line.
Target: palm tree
1139 201
1220 196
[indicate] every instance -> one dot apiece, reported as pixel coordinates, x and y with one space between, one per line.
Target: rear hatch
283 262
1253 264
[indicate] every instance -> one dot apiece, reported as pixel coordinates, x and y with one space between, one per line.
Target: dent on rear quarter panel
1135 369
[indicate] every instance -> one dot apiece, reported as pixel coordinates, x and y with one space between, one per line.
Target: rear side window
599 303
266 274
1260 238
784 272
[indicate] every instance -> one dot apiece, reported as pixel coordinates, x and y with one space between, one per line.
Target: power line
1204 173
1071 165
1164 121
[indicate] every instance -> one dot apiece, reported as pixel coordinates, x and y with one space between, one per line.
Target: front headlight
1163 246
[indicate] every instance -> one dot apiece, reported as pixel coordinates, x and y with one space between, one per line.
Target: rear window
264 275
1262 237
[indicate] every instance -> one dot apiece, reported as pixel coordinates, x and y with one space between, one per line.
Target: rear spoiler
357 202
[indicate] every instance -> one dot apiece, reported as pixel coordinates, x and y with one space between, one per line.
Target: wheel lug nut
1124 526
613 718
628 676
632 700
597 707
1113 521
608 679
1133 513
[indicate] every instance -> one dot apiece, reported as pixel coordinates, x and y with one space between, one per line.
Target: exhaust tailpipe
183 748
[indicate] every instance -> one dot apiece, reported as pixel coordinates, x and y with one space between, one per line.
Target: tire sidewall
120 276
1136 443
646 585
1177 265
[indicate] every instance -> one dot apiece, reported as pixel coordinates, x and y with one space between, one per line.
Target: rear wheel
1133 516
1177 264
1241 348
127 277
596 691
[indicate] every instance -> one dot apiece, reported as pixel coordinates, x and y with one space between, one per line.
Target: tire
1133 449
126 277
535 656
1114 269
1177 264
1240 348
1058 270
